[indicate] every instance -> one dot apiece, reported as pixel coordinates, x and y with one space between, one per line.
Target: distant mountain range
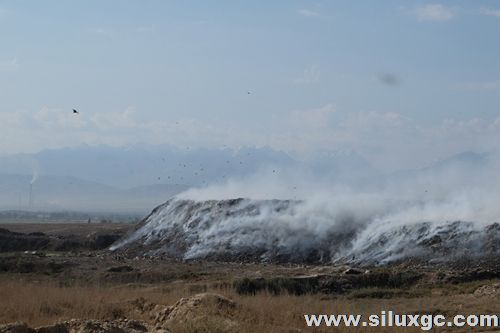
137 178
143 164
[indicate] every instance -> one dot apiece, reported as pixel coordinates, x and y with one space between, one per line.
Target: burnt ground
76 253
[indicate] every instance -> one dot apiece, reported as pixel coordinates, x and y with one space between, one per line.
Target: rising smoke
34 178
440 212
32 181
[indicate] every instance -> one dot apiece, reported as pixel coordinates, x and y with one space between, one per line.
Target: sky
402 83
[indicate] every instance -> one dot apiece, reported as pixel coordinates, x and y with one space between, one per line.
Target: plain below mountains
52 193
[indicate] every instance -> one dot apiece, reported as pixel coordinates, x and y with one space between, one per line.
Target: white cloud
314 118
114 120
9 65
58 119
489 12
308 13
310 75
389 140
102 31
10 119
28 131
434 12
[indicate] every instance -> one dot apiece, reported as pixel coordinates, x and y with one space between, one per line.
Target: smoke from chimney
33 180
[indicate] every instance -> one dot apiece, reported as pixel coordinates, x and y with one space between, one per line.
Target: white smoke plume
439 212
34 178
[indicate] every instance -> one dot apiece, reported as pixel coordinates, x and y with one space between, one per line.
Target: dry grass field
58 286
43 303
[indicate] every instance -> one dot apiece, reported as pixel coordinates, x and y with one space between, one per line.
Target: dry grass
44 302
41 303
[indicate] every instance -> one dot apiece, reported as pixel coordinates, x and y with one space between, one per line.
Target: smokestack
33 180
30 199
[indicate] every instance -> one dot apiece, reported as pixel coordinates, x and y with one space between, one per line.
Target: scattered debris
489 290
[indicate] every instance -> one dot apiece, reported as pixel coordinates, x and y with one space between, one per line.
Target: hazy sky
400 82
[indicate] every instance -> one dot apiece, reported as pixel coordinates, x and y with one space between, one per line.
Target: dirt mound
82 326
207 312
237 230
286 231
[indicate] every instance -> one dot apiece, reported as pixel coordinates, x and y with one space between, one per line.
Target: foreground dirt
197 310
82 289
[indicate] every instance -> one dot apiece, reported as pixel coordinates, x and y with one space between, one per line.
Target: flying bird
75 112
